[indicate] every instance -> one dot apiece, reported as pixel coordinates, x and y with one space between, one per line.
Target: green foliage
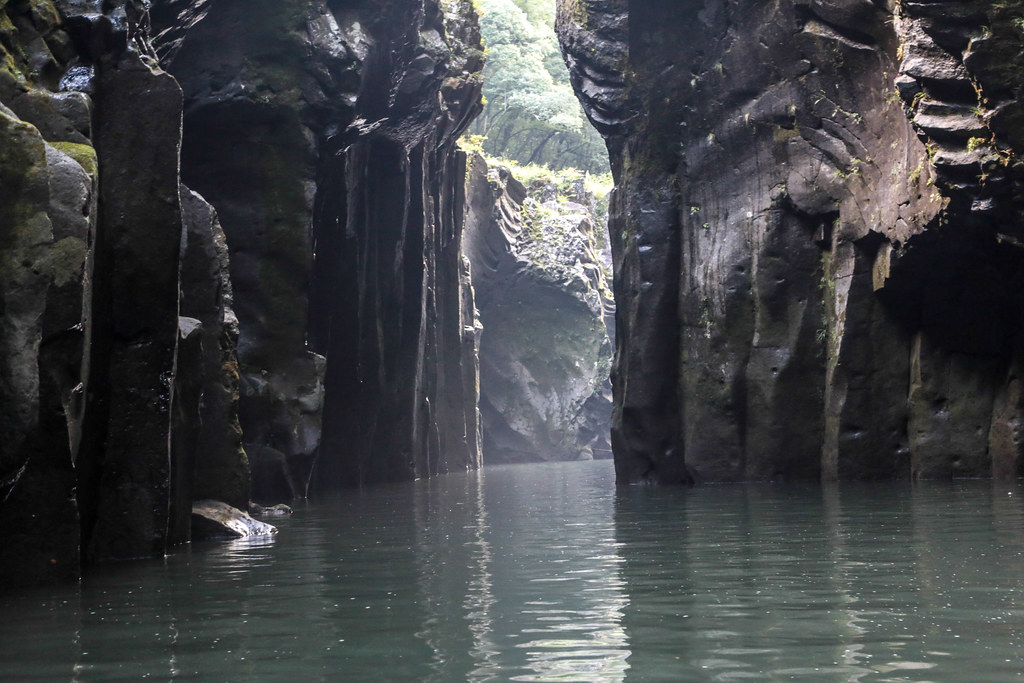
531 113
472 143
537 177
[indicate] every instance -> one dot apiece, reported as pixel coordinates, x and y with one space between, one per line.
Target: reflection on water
556 583
521 576
859 583
547 573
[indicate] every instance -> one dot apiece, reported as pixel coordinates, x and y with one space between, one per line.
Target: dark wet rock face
392 306
324 136
105 376
135 310
817 266
544 348
247 151
147 332
220 469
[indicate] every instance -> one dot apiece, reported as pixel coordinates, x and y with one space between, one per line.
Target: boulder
213 520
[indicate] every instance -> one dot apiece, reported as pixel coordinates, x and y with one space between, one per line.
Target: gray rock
221 469
214 520
544 349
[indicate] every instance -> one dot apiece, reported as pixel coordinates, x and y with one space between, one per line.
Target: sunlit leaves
531 114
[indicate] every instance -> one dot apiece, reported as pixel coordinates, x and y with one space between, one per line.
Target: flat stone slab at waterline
214 520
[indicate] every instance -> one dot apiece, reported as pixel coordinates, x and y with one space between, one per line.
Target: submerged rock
213 520
279 510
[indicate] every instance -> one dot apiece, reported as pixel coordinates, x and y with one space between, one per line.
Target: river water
548 573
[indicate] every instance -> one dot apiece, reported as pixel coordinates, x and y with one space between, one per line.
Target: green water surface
549 573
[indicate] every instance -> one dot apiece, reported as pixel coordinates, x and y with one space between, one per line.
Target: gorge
241 252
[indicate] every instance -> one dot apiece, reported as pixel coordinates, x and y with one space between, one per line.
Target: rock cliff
103 264
321 135
324 134
816 231
544 348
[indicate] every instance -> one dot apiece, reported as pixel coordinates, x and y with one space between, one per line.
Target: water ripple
551 574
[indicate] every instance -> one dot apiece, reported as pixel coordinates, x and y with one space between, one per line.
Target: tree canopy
531 114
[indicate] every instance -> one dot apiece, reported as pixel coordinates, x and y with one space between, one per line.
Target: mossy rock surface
84 154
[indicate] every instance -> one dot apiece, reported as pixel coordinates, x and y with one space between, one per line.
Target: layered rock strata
544 349
815 230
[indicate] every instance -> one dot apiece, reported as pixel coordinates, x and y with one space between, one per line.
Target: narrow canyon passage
371 257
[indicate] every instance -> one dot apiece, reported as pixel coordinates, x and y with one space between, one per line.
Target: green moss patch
85 155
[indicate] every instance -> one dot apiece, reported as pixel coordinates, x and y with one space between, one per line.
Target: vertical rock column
646 432
47 209
125 463
99 402
221 468
324 135
392 306
41 265
401 381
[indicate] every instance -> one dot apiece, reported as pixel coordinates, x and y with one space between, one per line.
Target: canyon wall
816 233
150 337
116 318
544 347
324 134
